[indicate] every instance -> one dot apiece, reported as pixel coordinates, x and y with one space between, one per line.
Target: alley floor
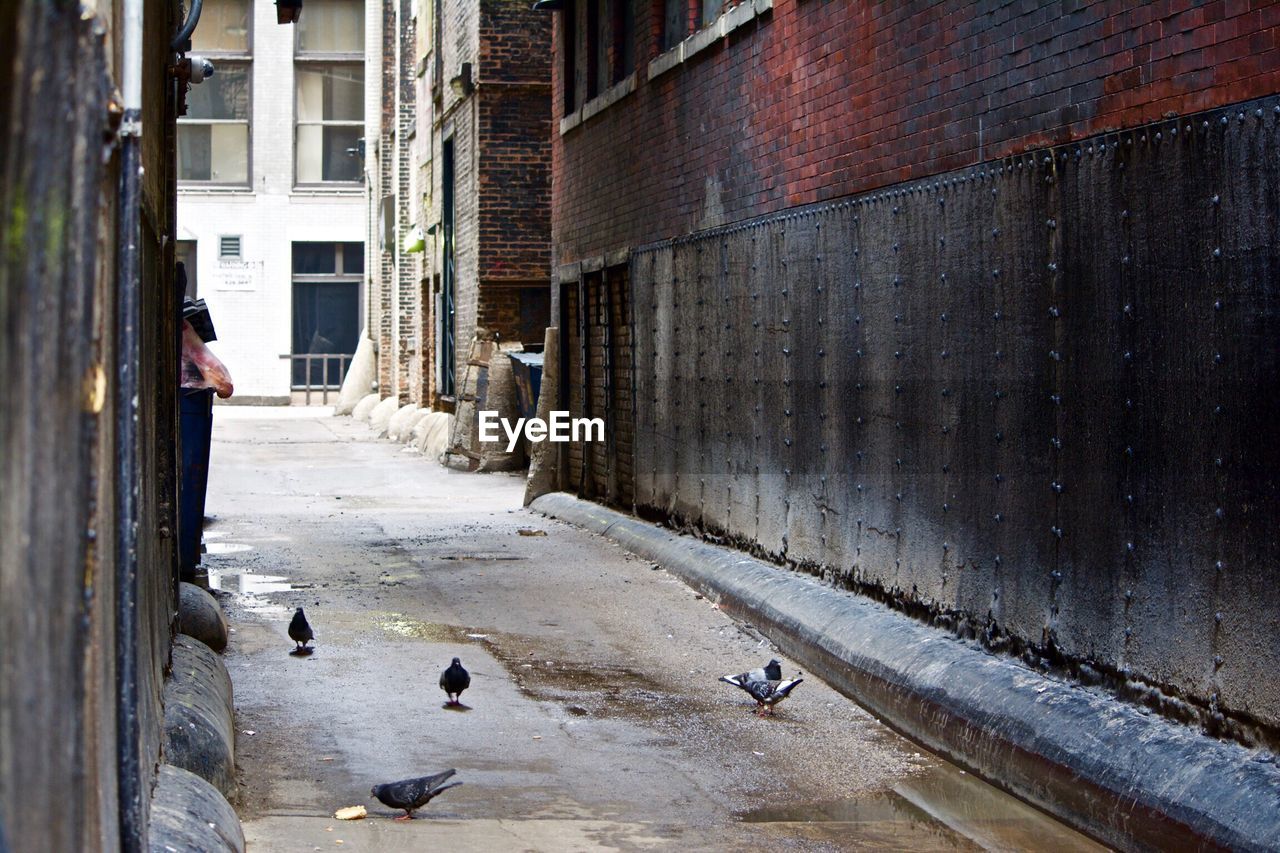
594 720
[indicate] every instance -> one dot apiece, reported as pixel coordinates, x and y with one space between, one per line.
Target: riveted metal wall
1034 400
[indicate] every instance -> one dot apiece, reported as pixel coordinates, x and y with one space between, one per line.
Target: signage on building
236 275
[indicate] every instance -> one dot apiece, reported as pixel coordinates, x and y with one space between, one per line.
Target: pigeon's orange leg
405 816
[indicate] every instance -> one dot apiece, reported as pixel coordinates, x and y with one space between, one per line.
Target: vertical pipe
128 735
324 377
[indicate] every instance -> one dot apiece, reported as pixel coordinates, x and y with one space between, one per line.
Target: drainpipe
180 40
128 285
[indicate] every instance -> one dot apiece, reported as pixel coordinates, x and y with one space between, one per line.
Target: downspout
180 40
128 359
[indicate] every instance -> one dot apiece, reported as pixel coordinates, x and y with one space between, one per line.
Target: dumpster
196 428
526 367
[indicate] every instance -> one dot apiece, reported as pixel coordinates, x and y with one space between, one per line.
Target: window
329 76
597 48
213 137
710 9
569 49
184 252
624 39
326 306
675 22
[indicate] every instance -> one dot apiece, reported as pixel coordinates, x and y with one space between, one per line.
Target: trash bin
196 431
527 369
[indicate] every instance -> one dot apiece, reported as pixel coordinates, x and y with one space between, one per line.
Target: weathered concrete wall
1031 400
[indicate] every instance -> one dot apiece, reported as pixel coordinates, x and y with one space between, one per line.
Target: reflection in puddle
944 806
226 547
251 586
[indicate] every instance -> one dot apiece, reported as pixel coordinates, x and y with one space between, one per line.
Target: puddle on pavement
583 690
480 558
426 631
216 548
943 808
251 586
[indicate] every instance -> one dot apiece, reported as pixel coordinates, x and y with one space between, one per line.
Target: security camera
200 69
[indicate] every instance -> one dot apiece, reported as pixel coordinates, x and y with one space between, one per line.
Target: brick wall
383 281
816 100
599 383
515 129
408 298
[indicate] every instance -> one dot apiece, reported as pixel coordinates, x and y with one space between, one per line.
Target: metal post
129 359
306 384
324 378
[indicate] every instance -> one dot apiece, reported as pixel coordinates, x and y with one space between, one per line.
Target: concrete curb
1132 780
189 815
199 716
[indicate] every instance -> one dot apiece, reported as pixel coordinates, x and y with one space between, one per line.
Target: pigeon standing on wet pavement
769 693
765 685
300 630
454 680
410 794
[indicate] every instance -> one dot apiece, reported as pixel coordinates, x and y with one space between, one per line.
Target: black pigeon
770 693
410 794
454 680
300 630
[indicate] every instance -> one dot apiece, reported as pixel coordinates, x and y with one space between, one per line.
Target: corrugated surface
1034 399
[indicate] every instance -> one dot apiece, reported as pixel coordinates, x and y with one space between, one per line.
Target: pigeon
772 671
454 680
765 685
769 693
300 630
410 794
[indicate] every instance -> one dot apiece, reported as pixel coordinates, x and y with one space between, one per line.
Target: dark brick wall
514 116
515 183
817 100
599 384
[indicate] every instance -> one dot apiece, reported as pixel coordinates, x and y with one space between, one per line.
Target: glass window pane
353 258
341 159
224 26
229 157
330 92
326 319
225 95
331 26
193 152
328 153
313 259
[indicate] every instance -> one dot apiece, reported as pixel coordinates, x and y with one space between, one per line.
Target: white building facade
272 213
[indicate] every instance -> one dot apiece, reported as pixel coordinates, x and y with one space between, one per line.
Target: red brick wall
515 132
823 98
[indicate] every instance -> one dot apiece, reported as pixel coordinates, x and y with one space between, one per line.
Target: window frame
317 59
227 57
340 276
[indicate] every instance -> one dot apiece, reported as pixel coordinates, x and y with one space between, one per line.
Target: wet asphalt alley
594 719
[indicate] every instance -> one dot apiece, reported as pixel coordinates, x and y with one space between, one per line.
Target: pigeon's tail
786 687
434 782
438 791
